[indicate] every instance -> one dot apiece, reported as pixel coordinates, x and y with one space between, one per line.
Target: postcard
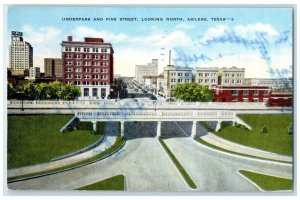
150 99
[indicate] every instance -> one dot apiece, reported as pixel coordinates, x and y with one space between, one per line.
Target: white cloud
184 26
41 36
249 31
81 32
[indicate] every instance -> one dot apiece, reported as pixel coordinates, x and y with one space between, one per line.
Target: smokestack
169 57
70 38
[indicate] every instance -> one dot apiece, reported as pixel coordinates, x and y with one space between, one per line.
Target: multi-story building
209 76
241 93
146 70
176 75
89 65
20 54
34 72
53 67
271 82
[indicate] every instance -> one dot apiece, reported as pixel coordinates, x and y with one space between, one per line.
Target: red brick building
285 100
250 94
89 65
241 93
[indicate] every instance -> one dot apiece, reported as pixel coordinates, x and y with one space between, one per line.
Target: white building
34 72
175 75
271 82
146 70
209 76
20 54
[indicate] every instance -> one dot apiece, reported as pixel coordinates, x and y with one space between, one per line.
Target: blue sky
259 39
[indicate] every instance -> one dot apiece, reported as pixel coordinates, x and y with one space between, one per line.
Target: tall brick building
89 65
53 67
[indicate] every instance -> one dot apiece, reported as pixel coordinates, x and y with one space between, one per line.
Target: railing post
122 128
158 130
194 129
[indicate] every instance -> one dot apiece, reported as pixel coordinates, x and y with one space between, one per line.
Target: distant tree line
43 91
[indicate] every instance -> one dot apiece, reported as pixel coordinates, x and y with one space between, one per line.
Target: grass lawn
180 168
112 183
269 183
35 139
276 139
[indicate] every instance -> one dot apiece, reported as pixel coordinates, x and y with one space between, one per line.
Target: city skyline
260 39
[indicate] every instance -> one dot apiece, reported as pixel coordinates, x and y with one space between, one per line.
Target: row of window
86 76
246 92
88 70
87 63
87 82
86 92
232 81
215 74
173 80
87 49
86 56
233 75
179 74
207 80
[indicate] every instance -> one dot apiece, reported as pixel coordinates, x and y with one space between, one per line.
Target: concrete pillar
122 128
218 127
158 130
94 126
193 135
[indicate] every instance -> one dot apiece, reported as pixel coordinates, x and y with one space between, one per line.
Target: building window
96 77
103 92
179 74
68 48
95 49
186 74
86 92
255 92
96 70
266 92
86 49
69 63
201 74
172 86
78 76
234 92
173 74
78 49
87 56
226 81
68 55
238 81
213 74
255 100
78 56
245 100
97 63
232 81
206 80
200 80
245 92
96 57
173 80
104 50
187 80
105 57
69 76
87 63
95 92
206 74
213 80
77 63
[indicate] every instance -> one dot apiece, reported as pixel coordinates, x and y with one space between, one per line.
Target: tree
11 91
55 89
192 92
30 91
70 92
43 91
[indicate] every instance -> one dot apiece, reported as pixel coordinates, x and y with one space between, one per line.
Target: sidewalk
231 146
110 136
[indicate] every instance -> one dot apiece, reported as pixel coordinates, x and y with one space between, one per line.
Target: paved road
147 167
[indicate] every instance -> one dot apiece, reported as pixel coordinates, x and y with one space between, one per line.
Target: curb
67 169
